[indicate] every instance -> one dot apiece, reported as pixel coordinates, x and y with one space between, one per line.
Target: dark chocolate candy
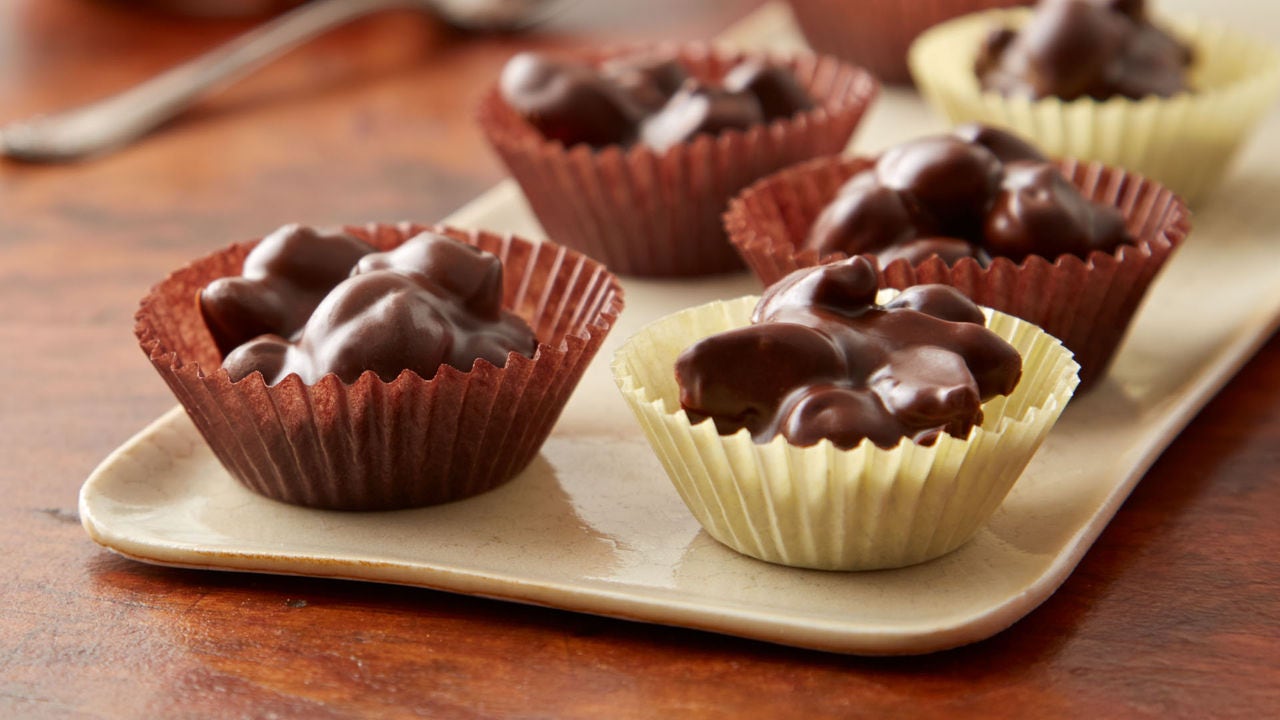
568 102
1084 48
430 302
865 217
284 277
647 98
465 272
776 89
1038 212
977 193
1006 146
954 179
822 360
650 81
696 109
948 250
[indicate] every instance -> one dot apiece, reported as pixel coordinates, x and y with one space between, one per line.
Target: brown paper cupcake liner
877 33
376 445
1087 303
658 214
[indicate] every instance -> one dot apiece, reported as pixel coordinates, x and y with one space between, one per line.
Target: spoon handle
119 118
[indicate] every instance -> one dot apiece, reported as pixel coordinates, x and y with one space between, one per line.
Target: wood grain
1174 613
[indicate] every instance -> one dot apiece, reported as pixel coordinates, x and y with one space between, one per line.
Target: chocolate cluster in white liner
1073 49
822 360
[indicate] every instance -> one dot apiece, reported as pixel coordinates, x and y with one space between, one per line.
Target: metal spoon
118 119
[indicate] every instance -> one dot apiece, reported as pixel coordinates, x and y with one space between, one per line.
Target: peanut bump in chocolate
284 277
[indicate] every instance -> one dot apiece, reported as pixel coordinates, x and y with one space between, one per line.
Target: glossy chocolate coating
977 193
864 217
776 89
568 102
650 99
1006 146
949 250
952 178
467 274
822 360
648 81
1084 48
430 302
696 109
284 277
1038 212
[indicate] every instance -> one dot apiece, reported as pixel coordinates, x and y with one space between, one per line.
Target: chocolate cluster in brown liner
650 213
1072 49
976 193
432 301
1087 302
374 444
647 98
284 278
822 360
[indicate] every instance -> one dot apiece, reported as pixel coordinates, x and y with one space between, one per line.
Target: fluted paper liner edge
376 445
1087 303
826 508
646 213
877 33
1186 142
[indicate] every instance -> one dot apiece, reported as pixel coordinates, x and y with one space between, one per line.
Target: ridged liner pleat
376 445
826 508
877 33
1185 142
1088 304
658 214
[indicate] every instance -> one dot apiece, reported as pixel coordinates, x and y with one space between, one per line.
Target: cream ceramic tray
594 525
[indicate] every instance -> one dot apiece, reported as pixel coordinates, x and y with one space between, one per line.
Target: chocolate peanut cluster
1073 49
312 303
649 100
284 278
977 192
822 360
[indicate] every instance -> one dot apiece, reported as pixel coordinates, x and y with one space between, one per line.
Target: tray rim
758 625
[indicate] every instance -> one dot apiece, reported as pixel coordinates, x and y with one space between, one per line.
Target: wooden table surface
1175 612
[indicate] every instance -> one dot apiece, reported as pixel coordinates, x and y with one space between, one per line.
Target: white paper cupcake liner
1185 142
823 507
